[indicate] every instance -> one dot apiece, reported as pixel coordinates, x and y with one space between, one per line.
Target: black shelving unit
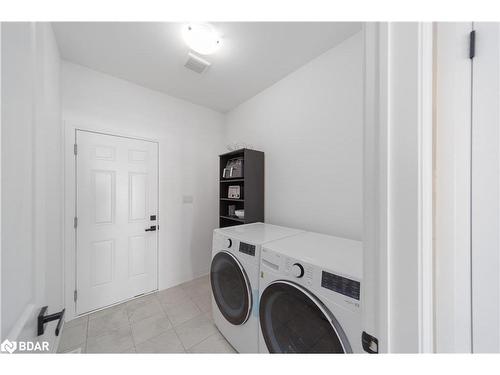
251 188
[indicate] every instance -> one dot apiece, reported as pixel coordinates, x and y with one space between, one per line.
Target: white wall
190 138
17 170
31 178
309 125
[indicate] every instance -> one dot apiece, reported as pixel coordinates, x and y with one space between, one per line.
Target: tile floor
175 320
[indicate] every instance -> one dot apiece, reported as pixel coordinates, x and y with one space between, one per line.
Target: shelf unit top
235 152
232 218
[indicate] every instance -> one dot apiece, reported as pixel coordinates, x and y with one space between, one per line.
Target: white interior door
117 196
486 190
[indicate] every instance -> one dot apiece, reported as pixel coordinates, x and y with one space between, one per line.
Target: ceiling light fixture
201 38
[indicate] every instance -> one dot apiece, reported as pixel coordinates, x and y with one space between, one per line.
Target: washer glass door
230 288
293 320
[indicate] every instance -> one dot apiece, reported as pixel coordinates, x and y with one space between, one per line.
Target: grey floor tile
128 351
195 331
108 323
204 302
107 311
199 280
167 342
141 300
143 308
77 321
208 314
76 350
73 337
144 325
173 296
119 341
182 312
148 328
173 291
213 344
204 280
198 290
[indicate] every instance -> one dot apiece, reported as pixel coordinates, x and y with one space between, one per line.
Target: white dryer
310 290
234 278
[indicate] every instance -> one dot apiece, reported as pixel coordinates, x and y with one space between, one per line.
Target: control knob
297 270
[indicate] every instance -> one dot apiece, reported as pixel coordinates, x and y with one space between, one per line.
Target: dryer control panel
339 288
247 248
339 284
299 270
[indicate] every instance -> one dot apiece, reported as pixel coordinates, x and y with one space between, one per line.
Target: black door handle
152 228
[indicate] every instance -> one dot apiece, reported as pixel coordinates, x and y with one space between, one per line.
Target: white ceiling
253 55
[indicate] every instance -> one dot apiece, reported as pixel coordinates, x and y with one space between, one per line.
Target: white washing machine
310 290
234 278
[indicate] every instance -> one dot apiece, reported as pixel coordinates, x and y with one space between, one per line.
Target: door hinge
75 149
472 44
75 222
75 295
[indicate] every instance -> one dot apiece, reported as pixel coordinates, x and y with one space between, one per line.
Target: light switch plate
187 199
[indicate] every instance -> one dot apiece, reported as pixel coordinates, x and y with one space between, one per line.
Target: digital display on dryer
342 285
247 249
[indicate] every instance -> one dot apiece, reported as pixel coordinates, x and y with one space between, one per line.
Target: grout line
172 323
205 339
130 328
178 338
160 333
164 311
87 334
200 314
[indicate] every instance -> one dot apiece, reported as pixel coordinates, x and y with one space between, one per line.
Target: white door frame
69 262
467 213
453 322
398 217
485 213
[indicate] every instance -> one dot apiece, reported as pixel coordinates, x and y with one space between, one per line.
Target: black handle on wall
152 228
43 319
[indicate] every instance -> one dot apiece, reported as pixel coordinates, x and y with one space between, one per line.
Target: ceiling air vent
196 63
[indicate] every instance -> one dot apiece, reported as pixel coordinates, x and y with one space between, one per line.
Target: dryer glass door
293 320
230 288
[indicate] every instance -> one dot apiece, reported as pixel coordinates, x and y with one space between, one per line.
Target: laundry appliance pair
282 290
